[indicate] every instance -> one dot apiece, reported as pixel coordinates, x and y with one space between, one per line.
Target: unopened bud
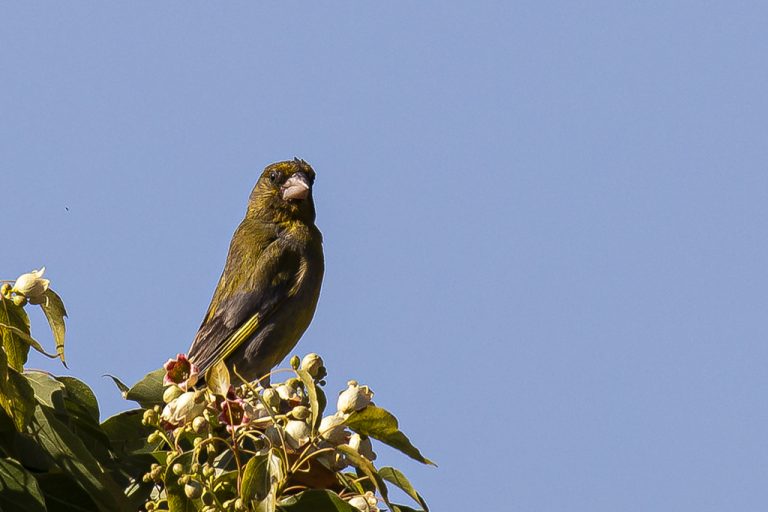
199 424
31 285
19 300
295 361
171 392
193 489
312 364
300 412
271 397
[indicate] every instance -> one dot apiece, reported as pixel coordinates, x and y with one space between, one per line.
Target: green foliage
212 447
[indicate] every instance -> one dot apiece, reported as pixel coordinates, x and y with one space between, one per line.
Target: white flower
183 409
362 446
332 429
32 285
354 398
365 503
297 433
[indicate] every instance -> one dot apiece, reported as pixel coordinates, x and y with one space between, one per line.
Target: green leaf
217 379
177 499
14 323
394 476
19 491
367 468
148 391
314 403
62 494
80 393
53 307
74 459
380 424
315 501
120 385
126 433
18 399
403 508
48 390
256 479
26 338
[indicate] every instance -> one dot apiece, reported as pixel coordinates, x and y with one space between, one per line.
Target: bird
268 291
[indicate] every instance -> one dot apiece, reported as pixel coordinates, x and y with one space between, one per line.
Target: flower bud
354 398
199 424
183 409
31 285
171 392
19 300
177 469
361 445
295 361
286 392
149 417
193 489
300 412
365 503
297 433
332 429
312 363
271 397
5 290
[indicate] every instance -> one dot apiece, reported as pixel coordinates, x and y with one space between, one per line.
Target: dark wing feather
235 316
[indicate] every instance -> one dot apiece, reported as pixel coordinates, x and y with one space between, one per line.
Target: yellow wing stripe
243 332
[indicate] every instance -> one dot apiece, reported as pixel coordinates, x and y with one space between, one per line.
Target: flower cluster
214 442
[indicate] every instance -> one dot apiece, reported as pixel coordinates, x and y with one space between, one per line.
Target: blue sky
545 222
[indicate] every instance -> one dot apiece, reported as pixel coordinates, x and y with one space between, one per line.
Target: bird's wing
235 315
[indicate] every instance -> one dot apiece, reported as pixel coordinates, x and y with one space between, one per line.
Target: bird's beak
296 187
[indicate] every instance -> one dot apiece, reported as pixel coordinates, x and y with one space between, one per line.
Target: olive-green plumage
268 291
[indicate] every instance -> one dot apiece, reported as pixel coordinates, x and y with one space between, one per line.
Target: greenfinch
268 291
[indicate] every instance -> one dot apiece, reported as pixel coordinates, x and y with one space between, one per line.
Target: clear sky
545 222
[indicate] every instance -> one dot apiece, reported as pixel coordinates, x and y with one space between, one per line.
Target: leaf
14 323
120 385
315 501
18 399
217 379
380 424
367 468
62 494
47 390
177 499
80 393
126 433
403 508
394 476
19 491
149 390
53 307
314 404
27 339
73 458
256 478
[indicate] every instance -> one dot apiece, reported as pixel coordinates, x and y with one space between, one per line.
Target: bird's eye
273 176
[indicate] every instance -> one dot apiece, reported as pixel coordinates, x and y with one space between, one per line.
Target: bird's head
284 192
